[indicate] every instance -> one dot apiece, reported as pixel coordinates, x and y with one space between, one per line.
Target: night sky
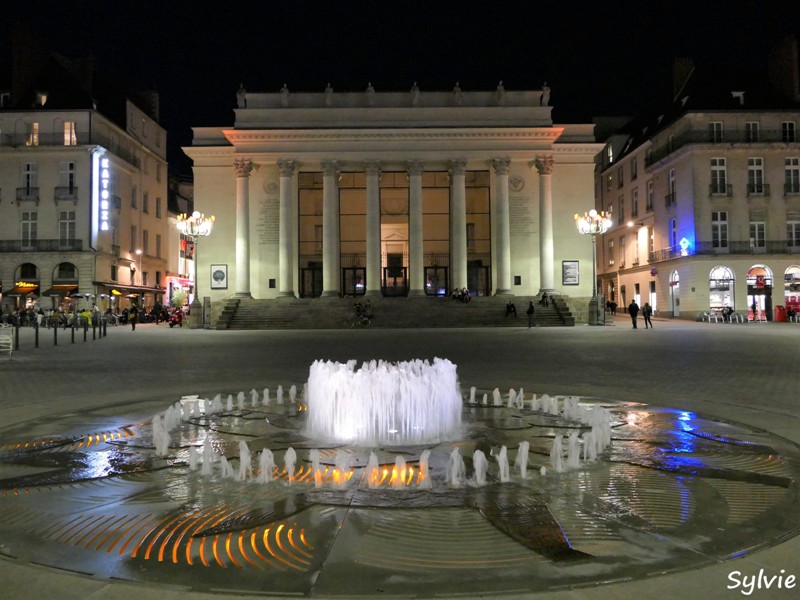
599 58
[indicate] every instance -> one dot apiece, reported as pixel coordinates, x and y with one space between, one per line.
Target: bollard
36 333
73 330
94 330
16 340
105 327
55 335
85 329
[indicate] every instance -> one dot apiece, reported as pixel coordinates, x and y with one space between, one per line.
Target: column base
242 295
329 294
504 292
416 293
195 317
593 320
288 294
550 291
373 293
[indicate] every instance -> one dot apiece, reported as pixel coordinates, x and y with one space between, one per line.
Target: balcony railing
704 136
28 194
65 193
720 189
670 199
758 189
791 188
41 246
731 247
82 138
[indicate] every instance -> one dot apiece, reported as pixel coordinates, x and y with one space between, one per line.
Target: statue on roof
241 96
459 97
545 94
415 94
501 93
285 95
328 95
370 94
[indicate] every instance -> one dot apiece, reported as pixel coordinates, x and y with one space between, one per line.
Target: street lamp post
593 223
140 300
195 226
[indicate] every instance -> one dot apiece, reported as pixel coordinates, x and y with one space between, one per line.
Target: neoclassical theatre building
386 193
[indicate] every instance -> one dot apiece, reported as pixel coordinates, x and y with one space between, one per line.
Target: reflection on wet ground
675 490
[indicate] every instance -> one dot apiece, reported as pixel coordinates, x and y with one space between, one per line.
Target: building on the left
83 186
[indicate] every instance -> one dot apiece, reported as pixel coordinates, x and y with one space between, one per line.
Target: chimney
784 70
681 71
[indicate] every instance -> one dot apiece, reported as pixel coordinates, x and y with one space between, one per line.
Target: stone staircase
331 313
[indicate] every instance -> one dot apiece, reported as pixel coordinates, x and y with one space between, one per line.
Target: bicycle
353 318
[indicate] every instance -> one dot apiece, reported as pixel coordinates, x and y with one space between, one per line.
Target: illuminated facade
705 198
394 194
83 186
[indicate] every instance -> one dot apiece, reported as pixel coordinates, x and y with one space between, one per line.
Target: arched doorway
721 289
675 293
759 293
791 288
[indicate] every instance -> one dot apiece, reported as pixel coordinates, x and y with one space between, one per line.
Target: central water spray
413 402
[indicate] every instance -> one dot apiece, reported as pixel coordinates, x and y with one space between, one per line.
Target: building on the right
705 195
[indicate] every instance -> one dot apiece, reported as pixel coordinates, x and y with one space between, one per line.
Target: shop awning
61 290
22 290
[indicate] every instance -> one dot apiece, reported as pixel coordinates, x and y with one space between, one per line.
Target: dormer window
41 98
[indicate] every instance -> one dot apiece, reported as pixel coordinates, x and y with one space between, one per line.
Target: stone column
458 225
416 266
503 242
243 169
373 171
331 276
286 231
544 164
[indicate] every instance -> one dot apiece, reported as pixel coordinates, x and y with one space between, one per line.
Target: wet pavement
700 479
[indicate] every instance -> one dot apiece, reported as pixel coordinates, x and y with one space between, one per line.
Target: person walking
133 315
633 311
530 312
647 312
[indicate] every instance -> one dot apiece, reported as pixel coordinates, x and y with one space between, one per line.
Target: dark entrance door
479 278
311 281
354 281
436 281
395 281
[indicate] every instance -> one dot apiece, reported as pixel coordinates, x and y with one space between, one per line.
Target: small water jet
502 463
399 475
557 455
313 456
521 461
480 465
266 466
424 471
456 469
289 460
245 463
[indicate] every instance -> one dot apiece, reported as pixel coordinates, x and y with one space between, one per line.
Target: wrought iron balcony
41 246
720 189
66 193
730 247
670 200
758 189
28 194
704 136
81 138
791 188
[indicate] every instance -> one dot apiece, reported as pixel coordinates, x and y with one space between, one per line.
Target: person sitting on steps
511 309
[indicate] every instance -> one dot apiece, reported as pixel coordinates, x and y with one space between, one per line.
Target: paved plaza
745 374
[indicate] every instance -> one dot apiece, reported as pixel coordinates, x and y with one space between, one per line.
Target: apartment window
158 171
29 228
755 175
751 131
158 278
673 233
134 193
636 249
651 240
757 234
719 176
145 241
134 238
32 134
621 217
715 132
70 135
611 255
144 278
787 132
793 233
114 272
66 226
608 183
610 153
650 196
67 176
719 229
146 202
158 245
5 99
158 207
635 202
671 198
791 183
634 169
30 176
620 177
622 254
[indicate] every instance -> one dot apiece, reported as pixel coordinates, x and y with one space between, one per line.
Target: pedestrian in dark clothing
511 309
530 312
647 312
633 311
133 315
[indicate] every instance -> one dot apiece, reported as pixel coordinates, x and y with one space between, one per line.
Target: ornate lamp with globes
195 226
593 223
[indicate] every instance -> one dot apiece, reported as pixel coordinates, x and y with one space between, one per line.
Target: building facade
394 194
83 190
705 197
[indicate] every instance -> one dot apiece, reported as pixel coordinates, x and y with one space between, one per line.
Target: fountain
266 465
502 463
424 472
481 465
373 471
456 470
245 463
289 459
522 459
384 403
399 475
557 455
313 456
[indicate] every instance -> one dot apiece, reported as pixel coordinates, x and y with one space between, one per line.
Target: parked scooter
176 318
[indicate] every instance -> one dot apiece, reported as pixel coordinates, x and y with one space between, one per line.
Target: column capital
415 167
501 165
544 164
286 168
457 167
331 168
372 167
243 167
